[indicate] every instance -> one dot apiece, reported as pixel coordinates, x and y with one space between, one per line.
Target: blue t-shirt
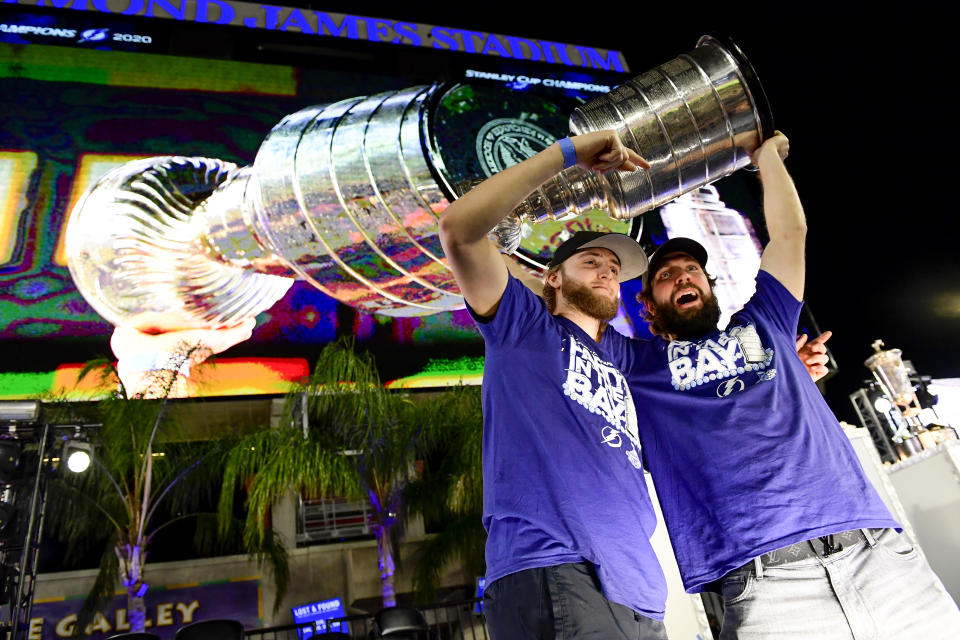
745 454
562 473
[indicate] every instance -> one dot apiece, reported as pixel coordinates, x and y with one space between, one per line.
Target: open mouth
687 297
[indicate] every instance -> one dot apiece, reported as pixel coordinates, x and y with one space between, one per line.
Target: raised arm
783 257
476 263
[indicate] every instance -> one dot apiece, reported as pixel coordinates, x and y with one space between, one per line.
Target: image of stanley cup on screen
347 196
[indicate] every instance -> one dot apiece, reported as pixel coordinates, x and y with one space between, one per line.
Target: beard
691 325
586 300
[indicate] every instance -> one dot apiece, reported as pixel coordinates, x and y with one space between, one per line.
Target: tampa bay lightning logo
94 35
727 387
611 437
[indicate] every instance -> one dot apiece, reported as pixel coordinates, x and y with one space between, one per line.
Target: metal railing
449 621
330 519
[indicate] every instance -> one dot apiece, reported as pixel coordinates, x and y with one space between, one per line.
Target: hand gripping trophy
347 196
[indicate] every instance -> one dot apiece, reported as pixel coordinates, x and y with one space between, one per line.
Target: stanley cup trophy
347 195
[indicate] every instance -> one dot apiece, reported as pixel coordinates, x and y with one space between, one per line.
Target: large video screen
81 105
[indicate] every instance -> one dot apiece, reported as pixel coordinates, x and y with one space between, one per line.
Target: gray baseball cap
633 261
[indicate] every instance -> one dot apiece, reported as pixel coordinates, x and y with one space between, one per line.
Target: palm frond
361 441
451 446
107 377
273 555
462 538
72 502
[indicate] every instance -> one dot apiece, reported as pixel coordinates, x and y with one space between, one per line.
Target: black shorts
562 602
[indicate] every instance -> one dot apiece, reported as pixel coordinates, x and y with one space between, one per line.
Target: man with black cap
762 494
566 507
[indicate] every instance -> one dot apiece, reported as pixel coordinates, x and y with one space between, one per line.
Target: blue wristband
569 153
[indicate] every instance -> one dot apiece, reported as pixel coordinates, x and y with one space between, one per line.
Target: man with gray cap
762 494
566 507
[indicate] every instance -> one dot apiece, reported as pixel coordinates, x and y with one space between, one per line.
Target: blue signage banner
352 27
168 609
318 613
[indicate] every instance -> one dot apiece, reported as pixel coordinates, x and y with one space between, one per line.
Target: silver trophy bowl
695 119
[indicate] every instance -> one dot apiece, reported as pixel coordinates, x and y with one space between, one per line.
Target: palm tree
133 486
449 492
358 441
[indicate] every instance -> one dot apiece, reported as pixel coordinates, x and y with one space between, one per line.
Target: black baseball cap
675 245
633 261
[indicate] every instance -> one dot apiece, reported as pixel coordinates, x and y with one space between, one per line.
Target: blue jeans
562 602
876 589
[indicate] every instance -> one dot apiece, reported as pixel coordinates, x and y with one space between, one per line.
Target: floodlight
77 455
882 404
